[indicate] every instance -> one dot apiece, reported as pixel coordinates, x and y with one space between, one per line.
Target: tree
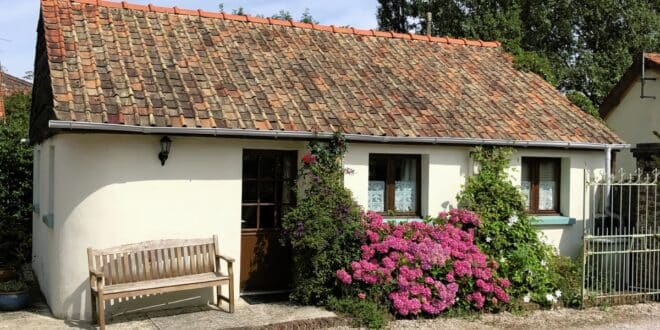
15 182
284 15
580 46
393 15
306 17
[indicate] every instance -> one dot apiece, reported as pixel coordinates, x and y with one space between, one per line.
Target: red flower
309 159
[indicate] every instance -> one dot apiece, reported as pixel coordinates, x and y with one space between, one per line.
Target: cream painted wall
444 169
635 119
112 190
443 172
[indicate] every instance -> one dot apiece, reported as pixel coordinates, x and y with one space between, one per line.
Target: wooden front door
268 179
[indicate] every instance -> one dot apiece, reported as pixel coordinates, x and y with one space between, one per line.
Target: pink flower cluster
425 267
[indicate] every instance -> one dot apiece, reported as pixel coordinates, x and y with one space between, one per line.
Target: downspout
608 174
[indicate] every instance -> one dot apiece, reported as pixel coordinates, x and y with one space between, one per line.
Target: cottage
632 110
238 98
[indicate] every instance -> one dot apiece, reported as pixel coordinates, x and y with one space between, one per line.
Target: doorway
268 181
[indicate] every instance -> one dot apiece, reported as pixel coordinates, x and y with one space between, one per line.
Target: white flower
488 239
543 263
502 260
549 297
558 293
512 220
527 298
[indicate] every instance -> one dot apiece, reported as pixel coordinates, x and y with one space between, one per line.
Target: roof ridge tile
261 20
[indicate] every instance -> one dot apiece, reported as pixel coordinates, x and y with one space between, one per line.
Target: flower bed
424 268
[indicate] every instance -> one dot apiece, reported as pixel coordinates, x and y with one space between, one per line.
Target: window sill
552 220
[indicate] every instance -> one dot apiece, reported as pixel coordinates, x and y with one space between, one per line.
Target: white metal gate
621 261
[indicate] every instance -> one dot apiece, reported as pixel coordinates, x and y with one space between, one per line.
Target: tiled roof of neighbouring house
152 66
631 76
10 85
653 57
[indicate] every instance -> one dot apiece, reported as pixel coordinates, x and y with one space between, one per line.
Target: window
394 184
268 178
540 184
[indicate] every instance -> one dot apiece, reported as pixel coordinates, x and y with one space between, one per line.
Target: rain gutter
274 134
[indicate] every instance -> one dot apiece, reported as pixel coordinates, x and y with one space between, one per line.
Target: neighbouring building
11 85
632 110
240 97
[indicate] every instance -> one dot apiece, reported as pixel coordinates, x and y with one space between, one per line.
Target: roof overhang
273 134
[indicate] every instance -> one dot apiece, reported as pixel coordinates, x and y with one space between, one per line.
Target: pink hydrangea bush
424 268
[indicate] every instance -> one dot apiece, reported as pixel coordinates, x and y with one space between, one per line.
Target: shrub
12 286
568 274
321 228
424 268
507 233
366 312
15 182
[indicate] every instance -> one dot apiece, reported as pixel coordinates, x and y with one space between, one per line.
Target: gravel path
640 316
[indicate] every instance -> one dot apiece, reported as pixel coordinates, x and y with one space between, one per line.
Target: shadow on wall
570 243
129 183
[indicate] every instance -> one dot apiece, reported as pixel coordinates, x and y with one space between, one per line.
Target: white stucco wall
444 169
635 119
111 190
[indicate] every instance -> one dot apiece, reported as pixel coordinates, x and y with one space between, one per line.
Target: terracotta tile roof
653 57
11 85
630 77
154 66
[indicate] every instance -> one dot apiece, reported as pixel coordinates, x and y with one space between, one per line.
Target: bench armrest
226 258
96 273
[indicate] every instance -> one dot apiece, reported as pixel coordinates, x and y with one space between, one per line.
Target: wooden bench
155 267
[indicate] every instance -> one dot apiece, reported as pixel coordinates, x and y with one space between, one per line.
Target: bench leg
231 295
101 303
94 314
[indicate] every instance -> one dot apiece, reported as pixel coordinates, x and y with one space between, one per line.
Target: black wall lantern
165 144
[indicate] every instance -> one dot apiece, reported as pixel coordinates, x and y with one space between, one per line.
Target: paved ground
260 314
249 315
640 316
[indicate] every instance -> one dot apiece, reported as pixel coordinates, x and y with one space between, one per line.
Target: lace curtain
547 186
405 186
377 196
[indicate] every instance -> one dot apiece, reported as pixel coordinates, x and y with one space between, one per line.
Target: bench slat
172 281
193 259
118 268
139 266
211 249
154 264
179 259
147 265
127 267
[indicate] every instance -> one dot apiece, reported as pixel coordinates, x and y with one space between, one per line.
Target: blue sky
18 20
